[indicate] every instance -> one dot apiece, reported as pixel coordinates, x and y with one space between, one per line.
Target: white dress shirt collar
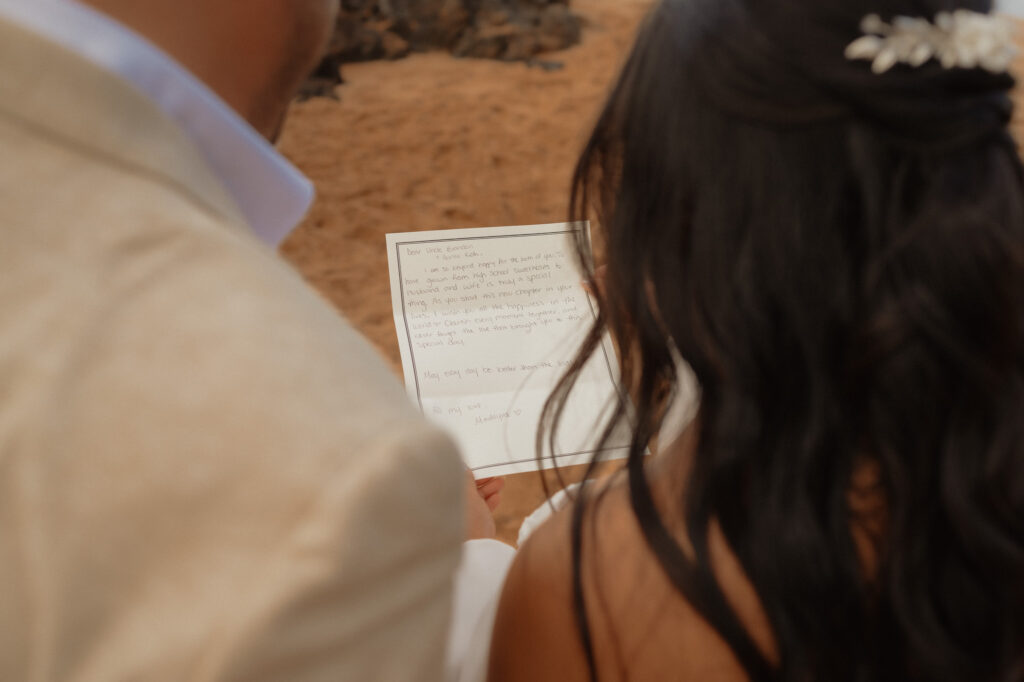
1014 8
270 192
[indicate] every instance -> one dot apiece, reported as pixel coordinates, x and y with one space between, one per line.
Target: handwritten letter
487 321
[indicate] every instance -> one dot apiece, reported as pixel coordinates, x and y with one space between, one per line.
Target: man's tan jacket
205 473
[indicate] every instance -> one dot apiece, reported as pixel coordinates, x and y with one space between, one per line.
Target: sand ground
433 142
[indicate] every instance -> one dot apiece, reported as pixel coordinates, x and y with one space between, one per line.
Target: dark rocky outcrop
514 30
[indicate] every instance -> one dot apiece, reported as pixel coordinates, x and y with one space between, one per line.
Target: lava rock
511 30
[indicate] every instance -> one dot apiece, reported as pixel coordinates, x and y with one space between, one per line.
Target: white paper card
487 320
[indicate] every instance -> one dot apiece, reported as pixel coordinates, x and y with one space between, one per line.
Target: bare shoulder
640 626
535 634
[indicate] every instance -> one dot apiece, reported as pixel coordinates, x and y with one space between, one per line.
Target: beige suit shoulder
205 470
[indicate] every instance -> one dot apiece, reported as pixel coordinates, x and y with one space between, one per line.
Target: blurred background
436 114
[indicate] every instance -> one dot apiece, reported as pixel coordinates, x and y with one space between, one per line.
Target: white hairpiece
961 38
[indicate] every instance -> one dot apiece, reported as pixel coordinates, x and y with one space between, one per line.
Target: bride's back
817 205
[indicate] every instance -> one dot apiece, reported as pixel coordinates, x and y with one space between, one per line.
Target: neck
220 45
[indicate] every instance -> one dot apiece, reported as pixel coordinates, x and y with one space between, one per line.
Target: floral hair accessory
958 39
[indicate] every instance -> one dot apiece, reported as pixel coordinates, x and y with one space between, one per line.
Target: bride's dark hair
839 257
